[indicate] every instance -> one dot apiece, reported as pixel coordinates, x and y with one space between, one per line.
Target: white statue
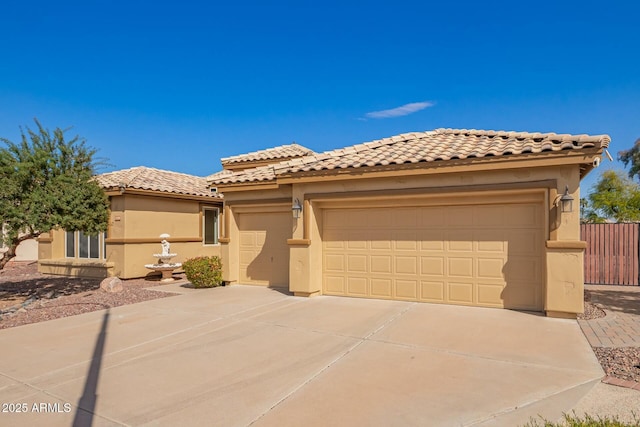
165 247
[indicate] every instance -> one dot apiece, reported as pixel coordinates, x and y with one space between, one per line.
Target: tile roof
423 147
220 174
281 152
144 178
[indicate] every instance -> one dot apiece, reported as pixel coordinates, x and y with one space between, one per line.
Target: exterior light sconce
566 201
122 187
296 209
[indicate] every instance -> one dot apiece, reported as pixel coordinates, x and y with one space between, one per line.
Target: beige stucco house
144 203
467 217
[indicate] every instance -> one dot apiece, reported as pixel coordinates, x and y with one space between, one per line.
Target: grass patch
572 420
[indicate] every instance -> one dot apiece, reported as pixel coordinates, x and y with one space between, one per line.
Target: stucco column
305 271
230 246
564 296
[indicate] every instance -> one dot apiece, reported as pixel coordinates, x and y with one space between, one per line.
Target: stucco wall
135 224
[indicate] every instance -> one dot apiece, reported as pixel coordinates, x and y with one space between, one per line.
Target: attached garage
487 255
450 216
263 251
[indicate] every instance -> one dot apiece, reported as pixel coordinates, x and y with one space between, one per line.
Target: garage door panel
334 263
526 215
357 264
521 297
381 288
459 216
405 240
357 240
431 217
334 285
406 289
263 251
379 239
447 254
357 286
406 265
405 218
460 267
461 293
377 218
432 291
433 266
488 216
431 240
339 245
247 239
522 268
490 294
459 240
523 243
491 268
485 245
381 264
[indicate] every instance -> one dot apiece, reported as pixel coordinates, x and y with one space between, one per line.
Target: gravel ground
27 296
621 362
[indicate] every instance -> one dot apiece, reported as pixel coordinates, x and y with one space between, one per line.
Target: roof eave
116 191
247 186
583 157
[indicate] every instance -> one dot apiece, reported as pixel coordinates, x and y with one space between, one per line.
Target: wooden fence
611 257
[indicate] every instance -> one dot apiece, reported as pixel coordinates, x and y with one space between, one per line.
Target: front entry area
264 253
488 255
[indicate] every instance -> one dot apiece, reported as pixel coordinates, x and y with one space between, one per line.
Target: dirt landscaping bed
27 296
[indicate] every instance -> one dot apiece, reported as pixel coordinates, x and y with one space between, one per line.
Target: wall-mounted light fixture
122 187
296 209
566 201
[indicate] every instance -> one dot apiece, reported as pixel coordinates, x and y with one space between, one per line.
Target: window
81 245
210 226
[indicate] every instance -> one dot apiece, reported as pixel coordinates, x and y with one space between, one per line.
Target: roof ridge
248 156
141 170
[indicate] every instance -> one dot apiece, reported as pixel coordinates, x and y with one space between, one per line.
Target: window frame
101 245
216 225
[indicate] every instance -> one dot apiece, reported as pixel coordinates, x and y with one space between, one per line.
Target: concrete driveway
246 355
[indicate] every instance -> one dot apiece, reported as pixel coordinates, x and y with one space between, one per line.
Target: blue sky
178 85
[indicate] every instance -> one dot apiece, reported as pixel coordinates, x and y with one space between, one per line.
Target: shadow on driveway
87 403
618 300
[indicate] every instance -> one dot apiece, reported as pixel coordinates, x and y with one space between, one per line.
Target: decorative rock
111 284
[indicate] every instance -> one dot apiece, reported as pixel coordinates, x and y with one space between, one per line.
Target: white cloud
400 111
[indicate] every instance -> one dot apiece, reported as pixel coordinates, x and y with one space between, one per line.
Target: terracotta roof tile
281 152
431 146
144 178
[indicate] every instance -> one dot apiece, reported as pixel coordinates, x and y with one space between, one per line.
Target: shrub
204 271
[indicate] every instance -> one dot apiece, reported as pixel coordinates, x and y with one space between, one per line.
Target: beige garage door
483 255
264 253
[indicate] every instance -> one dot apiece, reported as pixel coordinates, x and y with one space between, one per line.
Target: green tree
632 157
615 197
46 183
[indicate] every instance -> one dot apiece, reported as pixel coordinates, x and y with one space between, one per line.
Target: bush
204 271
